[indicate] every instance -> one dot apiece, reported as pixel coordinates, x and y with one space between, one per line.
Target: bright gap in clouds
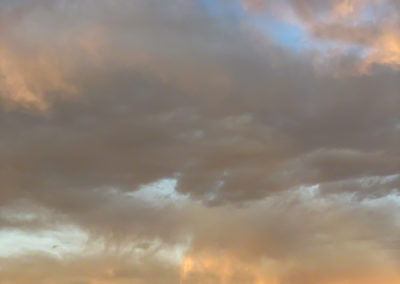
59 242
161 192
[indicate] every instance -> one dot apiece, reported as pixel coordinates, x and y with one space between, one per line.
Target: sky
199 142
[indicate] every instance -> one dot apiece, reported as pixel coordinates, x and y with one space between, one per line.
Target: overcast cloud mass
199 142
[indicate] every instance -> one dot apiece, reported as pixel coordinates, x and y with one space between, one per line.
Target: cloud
300 235
365 29
189 146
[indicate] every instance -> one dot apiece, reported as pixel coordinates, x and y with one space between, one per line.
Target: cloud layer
183 142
